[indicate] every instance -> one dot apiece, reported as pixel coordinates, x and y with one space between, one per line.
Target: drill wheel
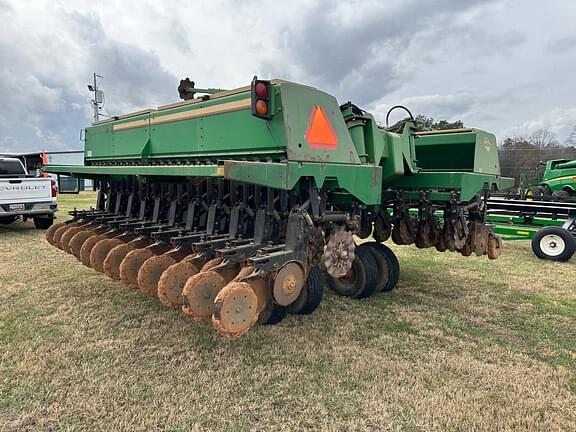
100 251
77 241
150 272
361 280
50 232
387 265
311 296
67 236
131 265
235 310
199 294
172 283
114 259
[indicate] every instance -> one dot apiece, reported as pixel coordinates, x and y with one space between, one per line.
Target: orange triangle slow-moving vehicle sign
320 133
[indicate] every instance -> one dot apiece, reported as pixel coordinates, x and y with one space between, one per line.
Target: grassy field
461 344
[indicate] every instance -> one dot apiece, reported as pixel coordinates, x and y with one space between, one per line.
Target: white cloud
494 64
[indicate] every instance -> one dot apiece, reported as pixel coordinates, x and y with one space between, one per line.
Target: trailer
551 226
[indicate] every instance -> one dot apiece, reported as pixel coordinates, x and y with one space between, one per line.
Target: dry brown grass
462 344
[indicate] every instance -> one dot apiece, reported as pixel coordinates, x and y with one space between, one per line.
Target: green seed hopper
264 185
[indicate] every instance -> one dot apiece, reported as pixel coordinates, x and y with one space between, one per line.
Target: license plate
17 207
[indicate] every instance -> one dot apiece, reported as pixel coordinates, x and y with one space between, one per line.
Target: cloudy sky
507 66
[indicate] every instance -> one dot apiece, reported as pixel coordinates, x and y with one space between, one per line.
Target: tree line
520 156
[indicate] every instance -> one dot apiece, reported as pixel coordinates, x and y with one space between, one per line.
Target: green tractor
231 204
558 182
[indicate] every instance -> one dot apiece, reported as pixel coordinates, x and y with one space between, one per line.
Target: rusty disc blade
150 272
466 250
480 240
140 242
59 233
228 271
131 265
114 259
172 283
235 310
111 233
339 253
67 236
160 248
243 273
178 254
50 232
87 247
78 240
382 226
494 246
100 251
211 263
261 286
199 294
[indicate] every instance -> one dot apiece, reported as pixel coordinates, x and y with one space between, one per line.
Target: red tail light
261 98
54 188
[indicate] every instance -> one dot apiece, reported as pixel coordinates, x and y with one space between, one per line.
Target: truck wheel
43 223
7 220
360 281
554 243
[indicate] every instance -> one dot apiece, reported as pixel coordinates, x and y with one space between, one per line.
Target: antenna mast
98 100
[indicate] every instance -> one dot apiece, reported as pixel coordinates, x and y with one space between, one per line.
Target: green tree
426 123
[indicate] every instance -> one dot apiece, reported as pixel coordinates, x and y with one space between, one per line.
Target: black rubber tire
388 266
366 272
561 196
311 295
565 235
273 314
43 223
536 192
7 220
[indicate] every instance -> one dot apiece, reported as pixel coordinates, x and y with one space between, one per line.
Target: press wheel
235 310
311 296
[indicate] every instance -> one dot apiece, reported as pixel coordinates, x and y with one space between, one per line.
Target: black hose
398 107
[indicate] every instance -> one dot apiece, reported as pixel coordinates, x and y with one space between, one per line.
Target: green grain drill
228 205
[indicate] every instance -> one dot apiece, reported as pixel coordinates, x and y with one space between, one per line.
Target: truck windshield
11 168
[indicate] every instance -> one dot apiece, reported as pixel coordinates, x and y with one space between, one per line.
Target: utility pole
98 100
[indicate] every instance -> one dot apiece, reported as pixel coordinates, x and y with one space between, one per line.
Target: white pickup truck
25 196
